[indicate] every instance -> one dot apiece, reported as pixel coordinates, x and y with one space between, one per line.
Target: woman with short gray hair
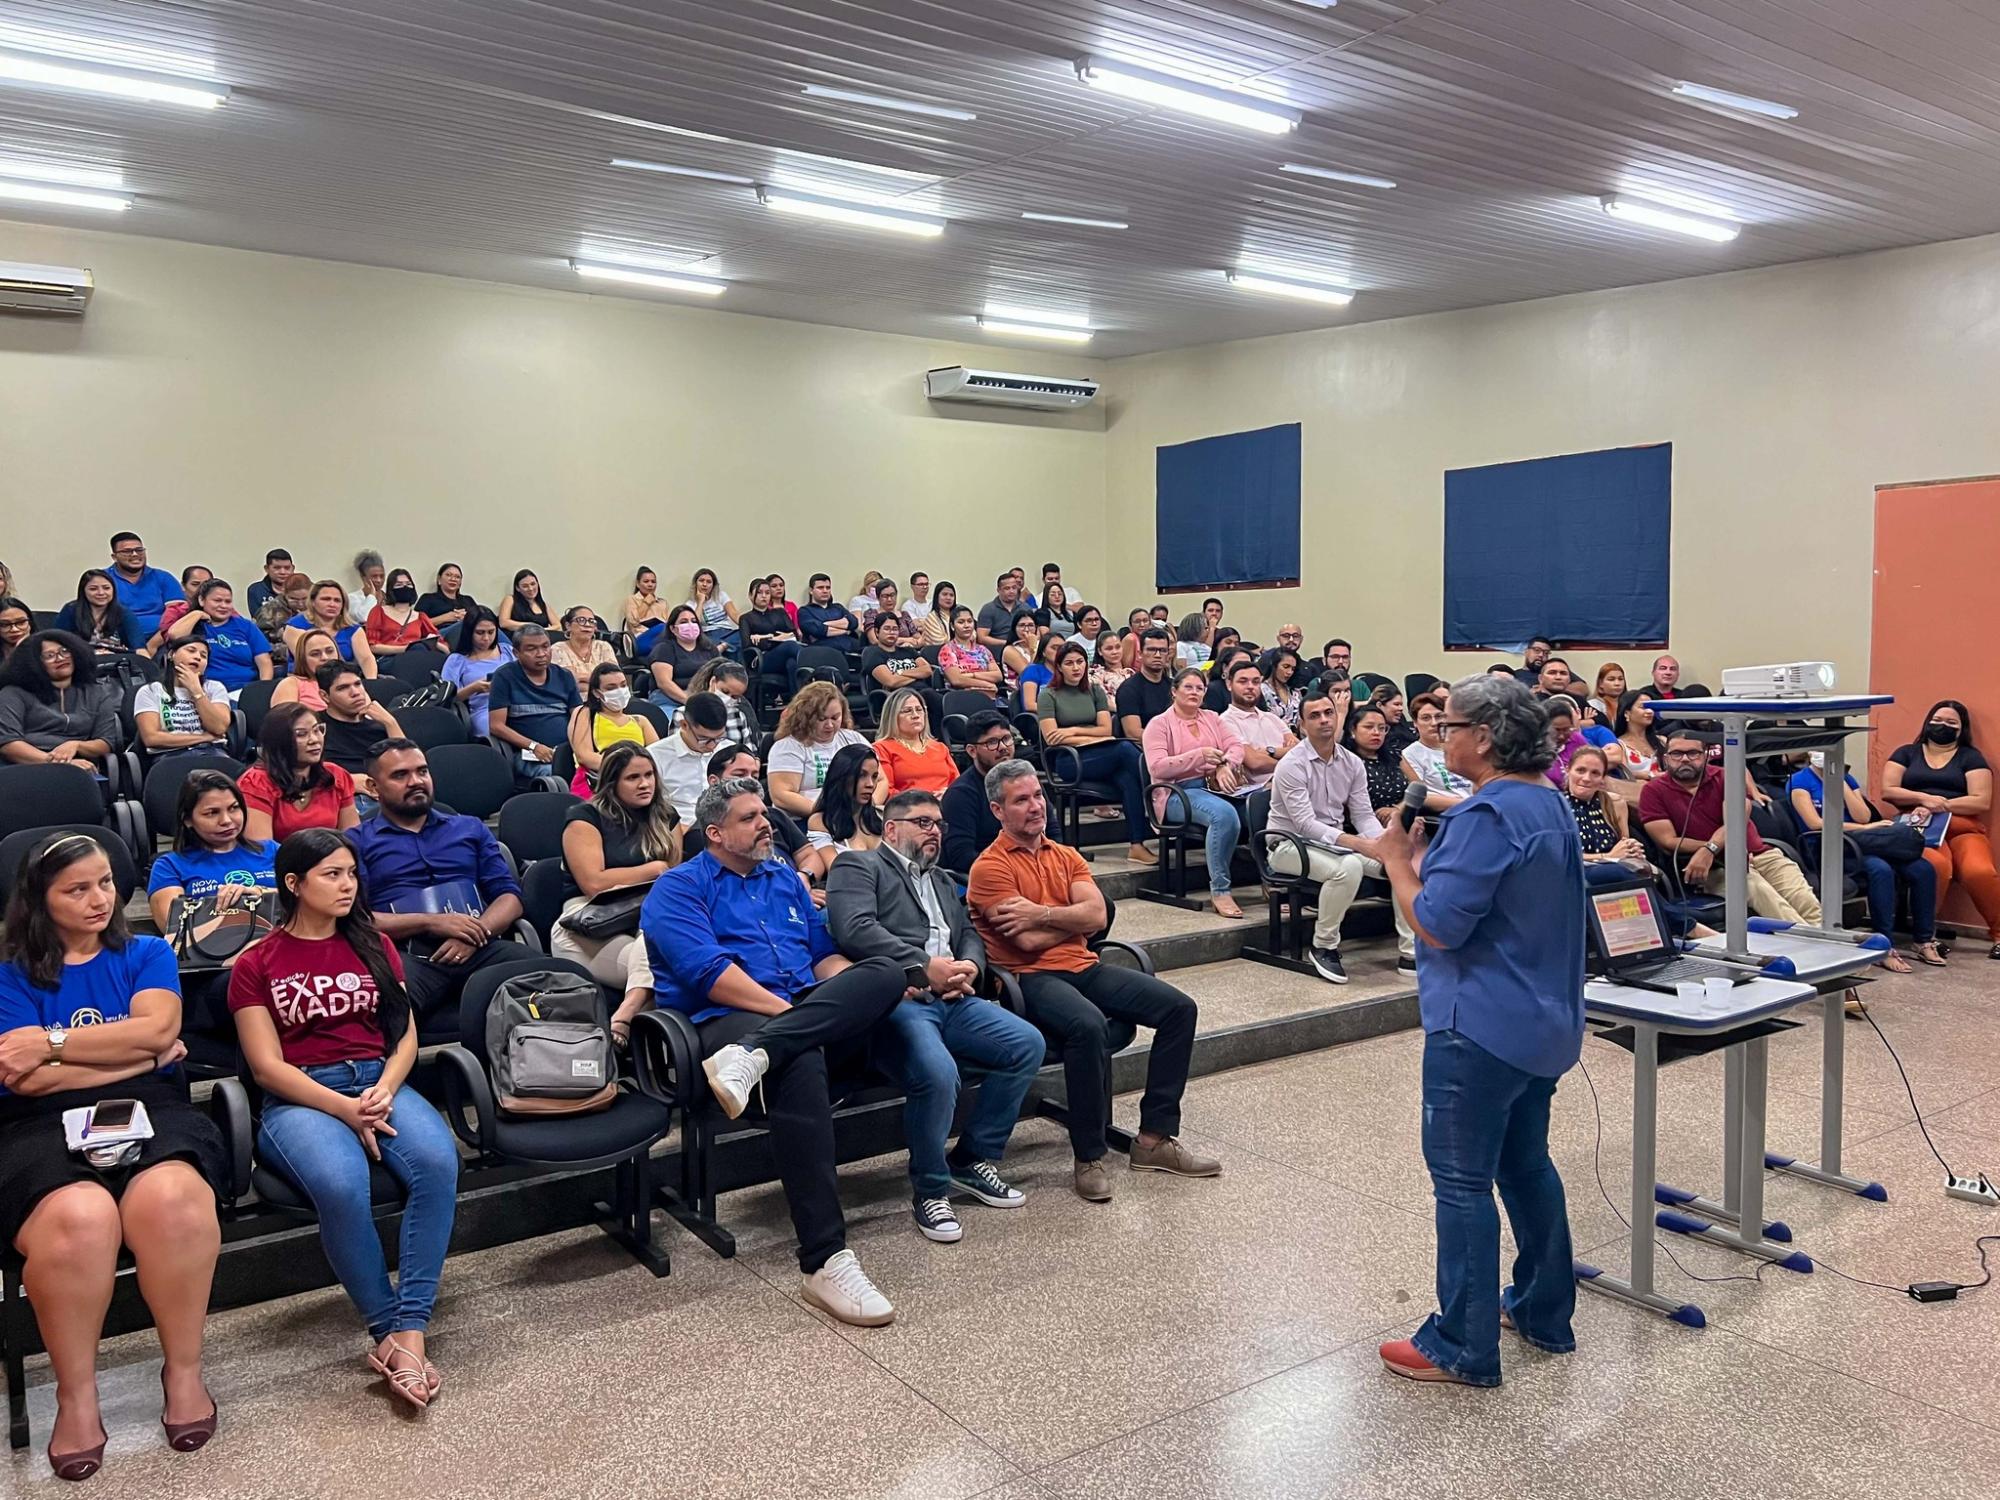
369 568
1498 913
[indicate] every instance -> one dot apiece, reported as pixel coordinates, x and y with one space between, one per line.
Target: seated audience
1367 732
1107 669
1290 637
529 707
1189 747
1536 653
1880 873
849 815
1035 905
291 785
1402 733
815 726
1941 772
1145 695
890 661
1074 712
1090 628
969 821
1682 813
1038 674
447 605
997 615
1336 659
337 1097
355 723
1564 734
682 652
1284 683
681 758
932 626
789 839
1160 615
54 708
481 651
600 722
622 838
966 662
1055 605
735 946
95 615
239 653
1137 623
1640 745
895 903
919 607
90 1012
17 623
1424 758
145 591
438 885
1552 679
1225 640
279 609
1605 693
645 611
581 648
278 571
824 621
1610 852
372 572
394 624
729 680
213 859
327 611
769 631
912 758
1265 737
524 605
1191 650
887 601
714 611
183 711
1319 795
314 649
1666 679
863 603
779 601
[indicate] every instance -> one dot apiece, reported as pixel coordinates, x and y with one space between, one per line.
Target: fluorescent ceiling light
818 206
1073 219
673 171
1320 4
1035 331
634 120
35 192
1286 286
1749 103
98 50
42 171
883 101
18 68
1666 218
706 286
1230 106
858 166
1359 179
1008 313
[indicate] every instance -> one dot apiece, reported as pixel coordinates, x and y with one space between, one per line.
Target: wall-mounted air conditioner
61 291
994 388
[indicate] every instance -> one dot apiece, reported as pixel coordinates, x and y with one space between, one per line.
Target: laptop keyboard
1692 970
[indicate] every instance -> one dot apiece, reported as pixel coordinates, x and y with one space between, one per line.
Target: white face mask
617 698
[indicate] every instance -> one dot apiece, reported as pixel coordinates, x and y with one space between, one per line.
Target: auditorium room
842 749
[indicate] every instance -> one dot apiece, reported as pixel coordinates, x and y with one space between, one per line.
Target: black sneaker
1406 965
936 1220
1326 963
988 1186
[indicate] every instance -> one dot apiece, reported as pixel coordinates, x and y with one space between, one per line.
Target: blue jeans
920 1044
1880 877
1486 1124
1122 764
327 1162
1217 816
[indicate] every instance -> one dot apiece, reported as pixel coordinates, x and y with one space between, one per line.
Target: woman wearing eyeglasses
53 708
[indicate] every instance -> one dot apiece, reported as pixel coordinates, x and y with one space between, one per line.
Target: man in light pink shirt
1265 736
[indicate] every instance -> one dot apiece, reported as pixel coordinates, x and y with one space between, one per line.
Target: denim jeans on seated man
920 1045
325 1160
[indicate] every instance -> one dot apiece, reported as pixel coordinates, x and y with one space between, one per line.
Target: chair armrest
466 1084
665 1056
523 932
1260 851
229 1107
1010 992
1064 764
1186 827
1141 959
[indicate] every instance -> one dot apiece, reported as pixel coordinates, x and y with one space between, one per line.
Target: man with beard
1682 811
893 902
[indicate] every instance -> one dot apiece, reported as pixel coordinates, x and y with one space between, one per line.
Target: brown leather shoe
1093 1181
1172 1155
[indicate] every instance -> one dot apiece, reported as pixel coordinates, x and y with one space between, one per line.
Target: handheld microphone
1413 804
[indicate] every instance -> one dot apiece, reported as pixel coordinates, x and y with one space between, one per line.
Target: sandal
412 1385
1927 953
1225 906
1895 963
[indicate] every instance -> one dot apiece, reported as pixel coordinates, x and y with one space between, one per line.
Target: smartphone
917 977
109 1116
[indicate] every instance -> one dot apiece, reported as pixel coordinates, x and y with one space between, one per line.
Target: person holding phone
328 1033
91 1013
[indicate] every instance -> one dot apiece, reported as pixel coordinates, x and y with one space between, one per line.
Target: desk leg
1750 1203
1832 1099
1730 1209
1645 1164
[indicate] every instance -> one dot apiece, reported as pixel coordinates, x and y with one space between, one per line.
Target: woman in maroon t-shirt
327 1032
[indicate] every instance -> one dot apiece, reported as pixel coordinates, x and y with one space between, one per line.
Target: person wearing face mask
394 624
1943 772
682 652
600 722
1682 812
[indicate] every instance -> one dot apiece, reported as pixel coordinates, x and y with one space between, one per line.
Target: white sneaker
842 1290
733 1073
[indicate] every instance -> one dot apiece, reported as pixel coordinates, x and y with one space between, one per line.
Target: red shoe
1401 1358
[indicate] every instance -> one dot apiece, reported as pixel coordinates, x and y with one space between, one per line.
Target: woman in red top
911 758
395 624
327 1032
292 787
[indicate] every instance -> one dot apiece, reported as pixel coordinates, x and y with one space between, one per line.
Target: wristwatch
1710 846
57 1036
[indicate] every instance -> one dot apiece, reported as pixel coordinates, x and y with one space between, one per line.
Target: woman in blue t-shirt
88 1013
326 609
1879 874
211 854
238 653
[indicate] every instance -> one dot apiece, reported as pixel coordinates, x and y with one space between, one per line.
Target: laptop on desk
1629 943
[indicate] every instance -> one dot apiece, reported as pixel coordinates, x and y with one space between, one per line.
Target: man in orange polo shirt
1036 906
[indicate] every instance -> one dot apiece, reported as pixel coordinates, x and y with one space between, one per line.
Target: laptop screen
1626 923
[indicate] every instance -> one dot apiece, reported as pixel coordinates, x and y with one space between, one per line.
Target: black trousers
825 1032
435 988
1073 1008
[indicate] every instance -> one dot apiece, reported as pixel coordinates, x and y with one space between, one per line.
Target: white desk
1650 1014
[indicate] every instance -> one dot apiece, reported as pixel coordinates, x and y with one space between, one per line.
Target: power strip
1972 1190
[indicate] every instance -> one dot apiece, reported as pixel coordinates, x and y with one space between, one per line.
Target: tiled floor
1190 1339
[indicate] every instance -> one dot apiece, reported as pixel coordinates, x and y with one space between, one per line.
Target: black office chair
654 714
414 668
432 727
475 778
531 824
543 884
1419 682
255 701
964 702
42 795
163 788
15 846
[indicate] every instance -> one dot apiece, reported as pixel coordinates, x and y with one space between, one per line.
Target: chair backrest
1365 683
1419 682
477 996
412 668
542 885
531 824
255 701
476 779
653 713
163 786
1256 818
43 795
431 727
965 702
14 848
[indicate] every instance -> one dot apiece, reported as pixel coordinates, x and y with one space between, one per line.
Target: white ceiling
470 137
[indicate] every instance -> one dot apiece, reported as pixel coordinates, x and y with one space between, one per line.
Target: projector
1791 679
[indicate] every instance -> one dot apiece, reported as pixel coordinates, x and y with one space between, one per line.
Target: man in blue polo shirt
145 591
528 707
439 886
738 947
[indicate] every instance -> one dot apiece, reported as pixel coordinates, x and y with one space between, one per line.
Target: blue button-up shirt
1503 894
147 597
701 917
396 862
813 620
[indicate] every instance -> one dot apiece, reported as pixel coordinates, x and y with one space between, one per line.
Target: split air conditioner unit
993 388
58 291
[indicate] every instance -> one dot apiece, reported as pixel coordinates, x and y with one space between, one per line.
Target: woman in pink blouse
1191 748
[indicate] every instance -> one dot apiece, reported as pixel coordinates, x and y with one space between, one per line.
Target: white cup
1718 991
1690 991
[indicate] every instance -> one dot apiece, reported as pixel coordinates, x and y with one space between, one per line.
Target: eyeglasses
1686 755
1446 726
132 551
55 653
994 742
927 823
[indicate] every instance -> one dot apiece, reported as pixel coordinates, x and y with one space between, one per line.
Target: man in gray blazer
893 902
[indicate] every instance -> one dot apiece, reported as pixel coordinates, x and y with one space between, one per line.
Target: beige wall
221 402
1788 395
